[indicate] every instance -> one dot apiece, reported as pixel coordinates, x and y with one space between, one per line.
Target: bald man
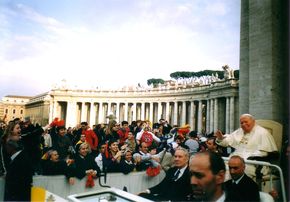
207 171
241 187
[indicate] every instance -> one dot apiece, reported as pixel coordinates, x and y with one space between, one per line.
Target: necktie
175 177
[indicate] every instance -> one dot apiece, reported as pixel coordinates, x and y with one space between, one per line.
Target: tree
155 82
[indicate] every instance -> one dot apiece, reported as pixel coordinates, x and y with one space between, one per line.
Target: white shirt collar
222 198
238 180
14 155
181 171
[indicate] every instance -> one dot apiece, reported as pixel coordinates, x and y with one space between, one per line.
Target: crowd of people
86 151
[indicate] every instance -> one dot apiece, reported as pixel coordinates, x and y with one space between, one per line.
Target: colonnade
202 115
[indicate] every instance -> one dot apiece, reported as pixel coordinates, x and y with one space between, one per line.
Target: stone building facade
13 106
204 107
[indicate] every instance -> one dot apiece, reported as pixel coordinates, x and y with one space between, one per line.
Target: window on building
21 111
14 111
6 111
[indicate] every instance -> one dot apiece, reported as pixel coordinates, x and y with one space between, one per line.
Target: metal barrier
263 163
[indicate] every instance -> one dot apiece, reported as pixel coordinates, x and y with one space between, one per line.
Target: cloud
161 38
217 8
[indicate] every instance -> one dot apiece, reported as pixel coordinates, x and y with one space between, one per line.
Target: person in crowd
180 141
51 165
30 142
70 134
102 152
61 143
207 170
138 127
241 187
18 180
85 163
46 141
166 127
111 131
131 142
212 146
127 163
77 131
192 142
100 132
176 184
112 158
144 159
91 138
123 132
145 135
82 140
251 141
13 131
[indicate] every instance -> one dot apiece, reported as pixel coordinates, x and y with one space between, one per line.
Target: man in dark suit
240 187
176 184
18 179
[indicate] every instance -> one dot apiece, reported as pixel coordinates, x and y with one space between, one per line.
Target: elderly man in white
251 140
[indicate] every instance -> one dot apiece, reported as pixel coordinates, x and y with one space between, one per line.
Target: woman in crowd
131 142
111 161
13 132
51 165
127 163
85 163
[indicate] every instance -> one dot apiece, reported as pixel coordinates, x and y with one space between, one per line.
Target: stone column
92 114
167 111
101 113
142 111
183 119
192 115
211 115
232 114
151 112
83 113
159 110
126 111
208 116
175 113
109 108
118 118
228 119
133 108
51 112
199 117
215 126
71 114
55 110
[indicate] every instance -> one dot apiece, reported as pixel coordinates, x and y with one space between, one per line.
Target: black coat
83 164
126 167
18 180
168 189
245 190
56 168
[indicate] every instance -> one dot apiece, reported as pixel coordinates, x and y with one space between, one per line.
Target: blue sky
112 43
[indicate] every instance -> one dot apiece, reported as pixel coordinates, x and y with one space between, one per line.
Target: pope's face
247 123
